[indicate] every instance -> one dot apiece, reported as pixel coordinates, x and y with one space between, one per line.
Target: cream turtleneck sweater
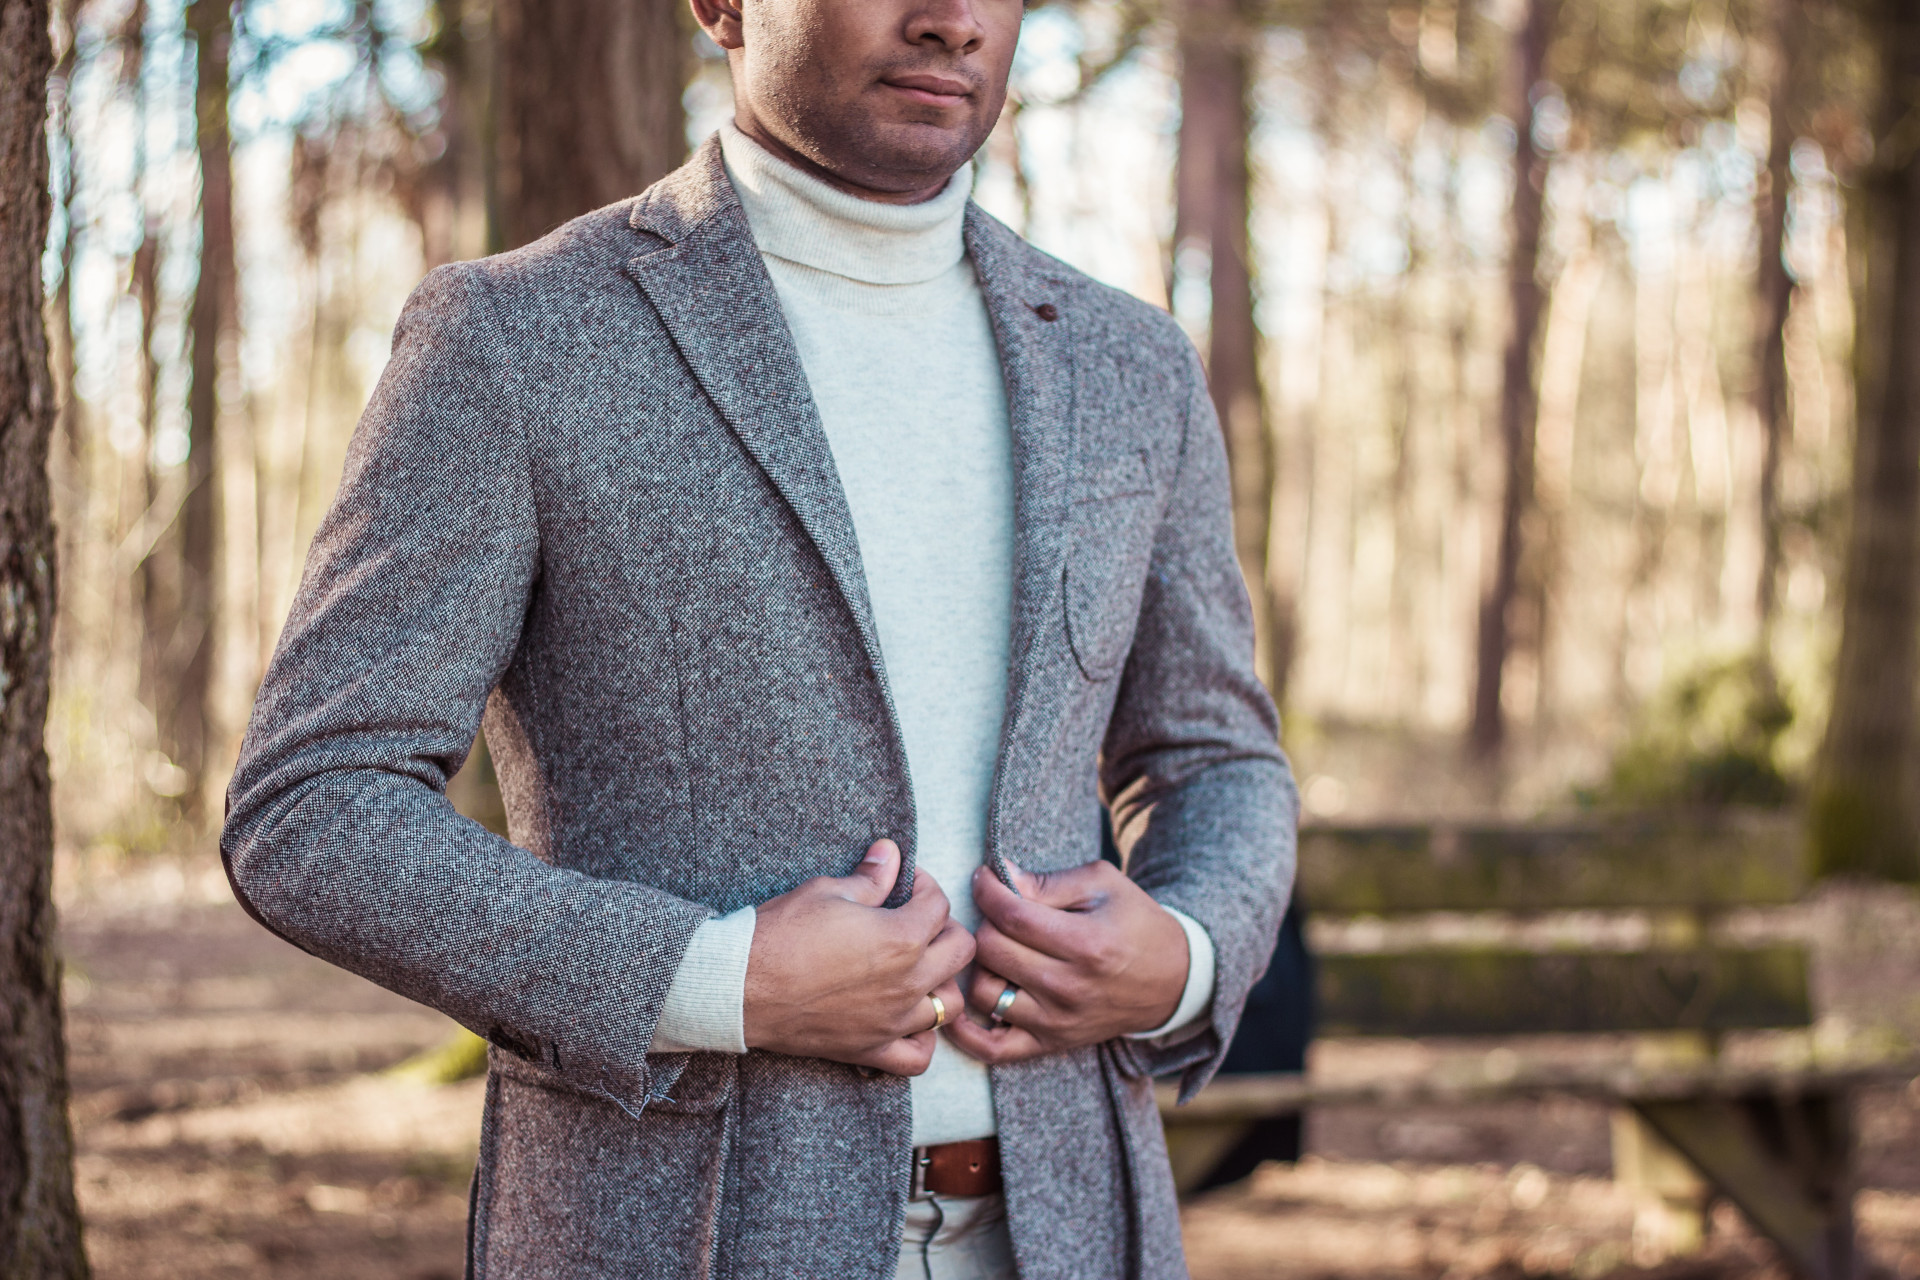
894 337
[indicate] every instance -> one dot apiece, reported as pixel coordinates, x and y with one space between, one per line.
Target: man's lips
939 91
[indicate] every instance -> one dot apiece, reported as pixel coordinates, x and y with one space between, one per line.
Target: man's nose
953 24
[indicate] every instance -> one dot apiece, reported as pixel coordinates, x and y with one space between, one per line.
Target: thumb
873 879
1024 882
1066 890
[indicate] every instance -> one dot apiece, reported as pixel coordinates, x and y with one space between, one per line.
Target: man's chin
909 155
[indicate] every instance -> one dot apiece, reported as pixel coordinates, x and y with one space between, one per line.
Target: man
821 555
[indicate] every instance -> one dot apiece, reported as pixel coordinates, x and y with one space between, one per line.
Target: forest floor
233 1121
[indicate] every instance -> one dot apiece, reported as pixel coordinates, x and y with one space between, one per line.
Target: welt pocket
690 1083
1124 475
1104 578
676 1083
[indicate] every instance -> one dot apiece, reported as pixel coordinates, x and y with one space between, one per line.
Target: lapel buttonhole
1047 311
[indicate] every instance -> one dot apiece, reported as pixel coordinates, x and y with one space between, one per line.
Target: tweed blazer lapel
712 291
1034 330
714 296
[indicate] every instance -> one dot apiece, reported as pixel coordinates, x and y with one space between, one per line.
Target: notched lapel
713 293
1033 325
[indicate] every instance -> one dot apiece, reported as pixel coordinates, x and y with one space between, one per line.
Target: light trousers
956 1238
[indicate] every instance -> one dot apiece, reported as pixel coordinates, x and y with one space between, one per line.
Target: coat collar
712 291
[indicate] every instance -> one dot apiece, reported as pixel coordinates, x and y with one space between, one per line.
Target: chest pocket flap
1113 528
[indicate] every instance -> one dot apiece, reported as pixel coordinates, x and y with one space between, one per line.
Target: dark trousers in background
1273 1036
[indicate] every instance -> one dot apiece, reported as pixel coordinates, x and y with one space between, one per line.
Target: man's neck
798 217
750 125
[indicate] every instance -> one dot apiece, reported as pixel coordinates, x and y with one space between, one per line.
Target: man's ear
720 19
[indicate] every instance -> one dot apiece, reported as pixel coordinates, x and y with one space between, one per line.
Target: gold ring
999 1015
939 1012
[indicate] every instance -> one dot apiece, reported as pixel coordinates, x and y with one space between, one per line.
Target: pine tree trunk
39 1222
156 578
1774 293
1863 815
1405 685
1519 401
185 667
457 215
1211 184
588 105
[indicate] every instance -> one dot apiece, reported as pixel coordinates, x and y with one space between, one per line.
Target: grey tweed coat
592 499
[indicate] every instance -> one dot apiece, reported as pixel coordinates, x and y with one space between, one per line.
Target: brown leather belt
957 1169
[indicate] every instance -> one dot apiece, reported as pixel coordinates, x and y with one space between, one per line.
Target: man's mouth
936 91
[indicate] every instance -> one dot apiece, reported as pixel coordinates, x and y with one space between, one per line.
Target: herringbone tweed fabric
592 497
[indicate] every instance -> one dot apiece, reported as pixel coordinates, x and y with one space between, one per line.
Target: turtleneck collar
797 217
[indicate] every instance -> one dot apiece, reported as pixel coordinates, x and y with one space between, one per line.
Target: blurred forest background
1566 391
1568 355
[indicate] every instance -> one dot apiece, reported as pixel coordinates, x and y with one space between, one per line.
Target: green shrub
1710 737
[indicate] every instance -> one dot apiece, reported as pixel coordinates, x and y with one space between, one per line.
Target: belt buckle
922 1162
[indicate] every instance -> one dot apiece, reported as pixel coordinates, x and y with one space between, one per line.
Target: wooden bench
1496 936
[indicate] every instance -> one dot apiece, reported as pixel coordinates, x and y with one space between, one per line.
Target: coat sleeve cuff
1198 994
704 1008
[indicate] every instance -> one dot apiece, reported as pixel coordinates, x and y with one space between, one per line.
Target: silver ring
939 1012
999 1015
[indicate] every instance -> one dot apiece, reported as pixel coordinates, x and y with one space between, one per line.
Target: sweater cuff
1199 990
704 1009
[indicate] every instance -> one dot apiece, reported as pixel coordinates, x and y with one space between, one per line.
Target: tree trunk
39 1222
458 218
1863 817
588 105
1563 361
186 663
1210 225
156 584
1405 684
1519 402
1774 288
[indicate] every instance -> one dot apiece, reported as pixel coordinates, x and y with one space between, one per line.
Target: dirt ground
233 1121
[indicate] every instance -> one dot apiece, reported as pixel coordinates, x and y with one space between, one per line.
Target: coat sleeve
339 835
1203 800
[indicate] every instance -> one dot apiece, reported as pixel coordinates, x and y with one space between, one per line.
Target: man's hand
1094 957
833 974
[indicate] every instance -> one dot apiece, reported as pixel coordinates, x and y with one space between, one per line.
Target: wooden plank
1489 992
1502 1073
1785 1164
1702 861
